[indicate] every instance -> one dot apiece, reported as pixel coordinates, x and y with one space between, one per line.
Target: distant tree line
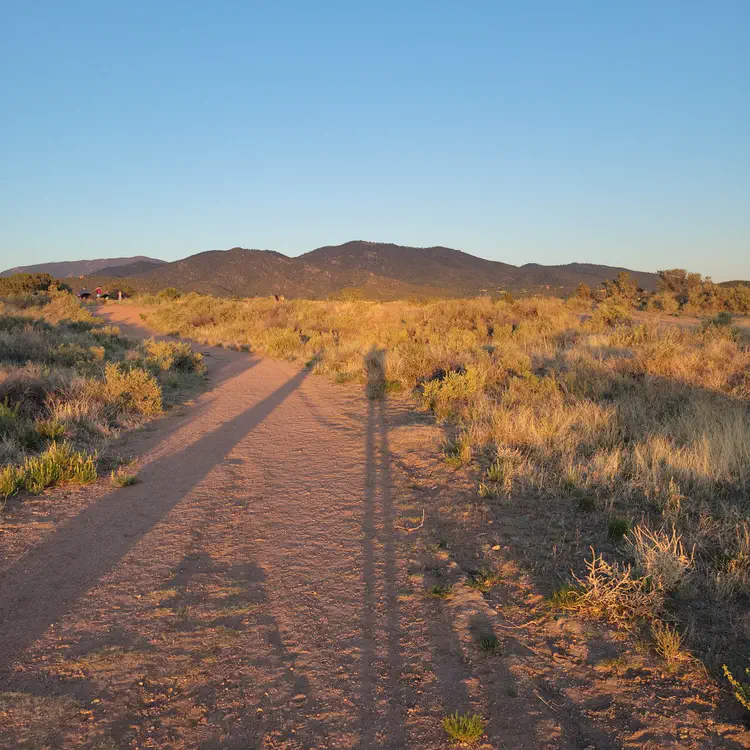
677 291
29 283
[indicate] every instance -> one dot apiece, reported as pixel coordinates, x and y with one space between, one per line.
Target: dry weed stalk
612 592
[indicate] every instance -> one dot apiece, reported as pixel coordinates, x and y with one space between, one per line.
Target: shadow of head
483 633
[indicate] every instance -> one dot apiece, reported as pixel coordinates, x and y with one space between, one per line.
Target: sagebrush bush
176 356
128 390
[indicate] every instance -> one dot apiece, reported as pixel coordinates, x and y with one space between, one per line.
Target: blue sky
611 132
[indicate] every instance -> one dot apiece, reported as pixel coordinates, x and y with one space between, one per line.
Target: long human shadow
46 583
378 486
368 676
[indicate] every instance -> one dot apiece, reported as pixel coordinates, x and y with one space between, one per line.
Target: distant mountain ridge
107 266
379 270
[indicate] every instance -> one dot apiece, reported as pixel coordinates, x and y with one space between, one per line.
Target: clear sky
606 131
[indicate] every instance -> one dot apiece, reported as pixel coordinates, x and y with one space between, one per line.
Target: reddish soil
264 586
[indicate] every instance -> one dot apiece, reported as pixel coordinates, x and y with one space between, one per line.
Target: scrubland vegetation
678 292
642 427
69 384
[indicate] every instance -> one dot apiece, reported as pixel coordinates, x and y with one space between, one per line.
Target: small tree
687 288
583 291
672 280
26 283
623 288
351 294
663 302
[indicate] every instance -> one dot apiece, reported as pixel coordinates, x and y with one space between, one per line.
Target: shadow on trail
379 577
467 679
45 584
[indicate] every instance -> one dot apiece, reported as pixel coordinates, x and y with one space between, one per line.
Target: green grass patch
59 464
489 644
440 591
482 580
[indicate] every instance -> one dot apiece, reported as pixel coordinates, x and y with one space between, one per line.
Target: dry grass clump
68 384
612 591
127 390
122 478
660 556
638 424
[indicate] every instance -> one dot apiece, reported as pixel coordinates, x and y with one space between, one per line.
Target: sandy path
250 591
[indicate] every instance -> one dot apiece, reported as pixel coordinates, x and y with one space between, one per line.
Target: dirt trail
251 591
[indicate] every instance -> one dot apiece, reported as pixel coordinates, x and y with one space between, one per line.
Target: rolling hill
104 266
378 270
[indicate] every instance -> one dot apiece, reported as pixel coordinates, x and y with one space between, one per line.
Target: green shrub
720 320
489 643
25 283
440 591
283 343
11 481
483 579
564 596
458 452
610 314
122 479
71 355
618 528
668 641
446 395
